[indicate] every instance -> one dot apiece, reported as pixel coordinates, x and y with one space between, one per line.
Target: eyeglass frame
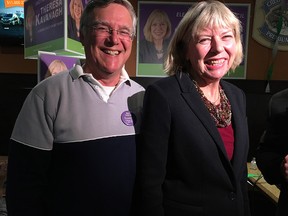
109 30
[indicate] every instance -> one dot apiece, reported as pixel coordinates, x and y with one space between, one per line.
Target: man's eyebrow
101 22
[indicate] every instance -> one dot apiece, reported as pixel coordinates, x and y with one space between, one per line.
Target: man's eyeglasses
103 30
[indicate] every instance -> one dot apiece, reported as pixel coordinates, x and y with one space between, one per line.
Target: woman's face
77 9
158 28
212 52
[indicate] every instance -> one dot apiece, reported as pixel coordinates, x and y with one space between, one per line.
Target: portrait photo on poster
75 10
157 22
156 25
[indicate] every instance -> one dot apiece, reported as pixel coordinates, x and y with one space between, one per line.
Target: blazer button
232 196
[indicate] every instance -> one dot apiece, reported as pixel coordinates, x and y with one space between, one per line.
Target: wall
12 61
259 57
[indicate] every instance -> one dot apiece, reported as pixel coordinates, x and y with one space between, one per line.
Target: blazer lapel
238 126
194 101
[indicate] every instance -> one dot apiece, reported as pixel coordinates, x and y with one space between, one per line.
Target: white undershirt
105 92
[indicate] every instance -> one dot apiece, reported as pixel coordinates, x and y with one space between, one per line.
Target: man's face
107 52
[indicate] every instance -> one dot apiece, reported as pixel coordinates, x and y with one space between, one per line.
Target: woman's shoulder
233 91
228 85
166 83
145 43
166 42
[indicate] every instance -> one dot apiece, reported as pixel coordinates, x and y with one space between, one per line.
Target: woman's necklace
159 49
221 113
160 53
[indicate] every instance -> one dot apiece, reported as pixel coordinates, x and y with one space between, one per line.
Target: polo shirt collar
77 72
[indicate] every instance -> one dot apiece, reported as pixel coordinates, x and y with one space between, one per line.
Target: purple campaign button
128 118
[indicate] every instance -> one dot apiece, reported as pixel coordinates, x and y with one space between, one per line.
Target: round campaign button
128 118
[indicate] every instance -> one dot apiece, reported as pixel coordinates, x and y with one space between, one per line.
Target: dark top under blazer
148 52
184 169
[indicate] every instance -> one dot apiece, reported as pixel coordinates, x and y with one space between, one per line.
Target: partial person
157 31
194 133
73 146
272 153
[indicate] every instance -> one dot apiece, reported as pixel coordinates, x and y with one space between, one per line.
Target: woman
194 134
157 30
76 10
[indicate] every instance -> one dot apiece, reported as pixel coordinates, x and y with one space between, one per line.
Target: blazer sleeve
153 151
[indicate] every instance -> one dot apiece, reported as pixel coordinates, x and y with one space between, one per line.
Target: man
73 147
272 154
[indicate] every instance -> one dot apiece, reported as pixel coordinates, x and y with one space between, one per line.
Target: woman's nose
217 45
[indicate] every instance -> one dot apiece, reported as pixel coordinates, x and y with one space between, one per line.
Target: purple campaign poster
150 61
50 64
43 21
175 12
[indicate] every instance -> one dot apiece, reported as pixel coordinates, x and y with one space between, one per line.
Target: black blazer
274 147
184 169
148 52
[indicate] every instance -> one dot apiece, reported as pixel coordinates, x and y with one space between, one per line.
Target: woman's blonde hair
55 67
204 14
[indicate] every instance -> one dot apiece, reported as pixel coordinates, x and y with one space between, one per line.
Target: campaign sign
53 26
